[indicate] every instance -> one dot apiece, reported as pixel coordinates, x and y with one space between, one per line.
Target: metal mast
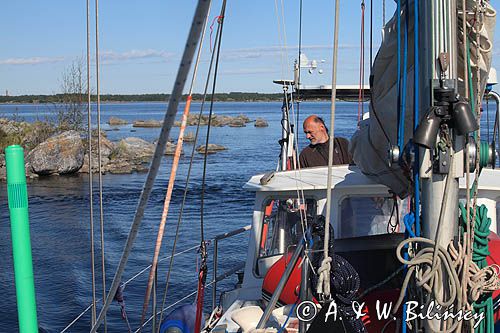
445 121
438 41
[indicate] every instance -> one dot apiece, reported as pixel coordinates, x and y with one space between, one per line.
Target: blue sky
141 43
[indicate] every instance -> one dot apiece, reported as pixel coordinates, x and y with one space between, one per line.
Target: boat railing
213 283
217 278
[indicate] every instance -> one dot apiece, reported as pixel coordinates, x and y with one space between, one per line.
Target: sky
141 42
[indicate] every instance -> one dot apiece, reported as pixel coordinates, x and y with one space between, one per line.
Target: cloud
31 61
113 57
107 57
266 51
249 71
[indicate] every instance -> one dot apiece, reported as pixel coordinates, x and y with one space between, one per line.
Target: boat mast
186 60
438 39
440 168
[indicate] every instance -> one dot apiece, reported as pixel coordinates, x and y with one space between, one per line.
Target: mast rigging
194 35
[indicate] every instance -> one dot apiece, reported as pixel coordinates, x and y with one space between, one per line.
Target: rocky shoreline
49 151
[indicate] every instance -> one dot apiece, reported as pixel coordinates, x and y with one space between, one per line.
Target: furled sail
370 143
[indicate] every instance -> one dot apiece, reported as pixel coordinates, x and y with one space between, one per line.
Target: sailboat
413 220
411 224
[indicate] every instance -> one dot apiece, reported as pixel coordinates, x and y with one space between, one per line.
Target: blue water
59 214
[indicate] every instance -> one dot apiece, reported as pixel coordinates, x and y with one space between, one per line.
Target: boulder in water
212 148
115 121
133 149
236 123
170 149
189 137
243 118
216 120
129 155
259 122
59 154
107 148
147 123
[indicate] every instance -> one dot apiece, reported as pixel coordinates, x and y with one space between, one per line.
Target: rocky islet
51 152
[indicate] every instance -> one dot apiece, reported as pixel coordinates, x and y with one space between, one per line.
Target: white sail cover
369 145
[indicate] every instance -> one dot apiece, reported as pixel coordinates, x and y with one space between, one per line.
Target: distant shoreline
159 98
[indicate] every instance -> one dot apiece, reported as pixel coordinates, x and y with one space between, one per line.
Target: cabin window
281 229
373 215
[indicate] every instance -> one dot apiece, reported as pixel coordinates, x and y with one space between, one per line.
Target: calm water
59 214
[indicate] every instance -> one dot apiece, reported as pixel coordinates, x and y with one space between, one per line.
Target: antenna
310 65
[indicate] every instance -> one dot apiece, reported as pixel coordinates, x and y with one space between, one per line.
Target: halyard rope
91 190
99 155
171 182
188 176
323 287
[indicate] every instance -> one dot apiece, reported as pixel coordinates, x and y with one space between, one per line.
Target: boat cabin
367 221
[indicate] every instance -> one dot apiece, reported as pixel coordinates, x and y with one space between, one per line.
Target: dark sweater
317 155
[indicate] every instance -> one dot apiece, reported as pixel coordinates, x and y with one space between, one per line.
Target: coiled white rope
323 287
431 273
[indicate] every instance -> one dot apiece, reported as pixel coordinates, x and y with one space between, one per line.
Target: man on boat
316 154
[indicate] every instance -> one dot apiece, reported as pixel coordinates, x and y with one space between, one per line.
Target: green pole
21 245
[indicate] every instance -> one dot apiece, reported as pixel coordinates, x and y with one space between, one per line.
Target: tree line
63 98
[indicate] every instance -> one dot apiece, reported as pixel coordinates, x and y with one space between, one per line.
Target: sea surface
60 222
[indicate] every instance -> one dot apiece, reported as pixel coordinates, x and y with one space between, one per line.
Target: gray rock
120 166
10 127
115 121
107 148
220 121
60 154
243 118
216 121
212 148
126 156
133 149
147 123
3 170
29 174
237 123
189 137
259 122
170 149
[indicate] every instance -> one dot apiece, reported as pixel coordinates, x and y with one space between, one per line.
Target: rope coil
323 288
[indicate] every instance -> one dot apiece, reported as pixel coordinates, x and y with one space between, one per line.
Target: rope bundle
437 271
484 279
432 267
323 288
343 279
